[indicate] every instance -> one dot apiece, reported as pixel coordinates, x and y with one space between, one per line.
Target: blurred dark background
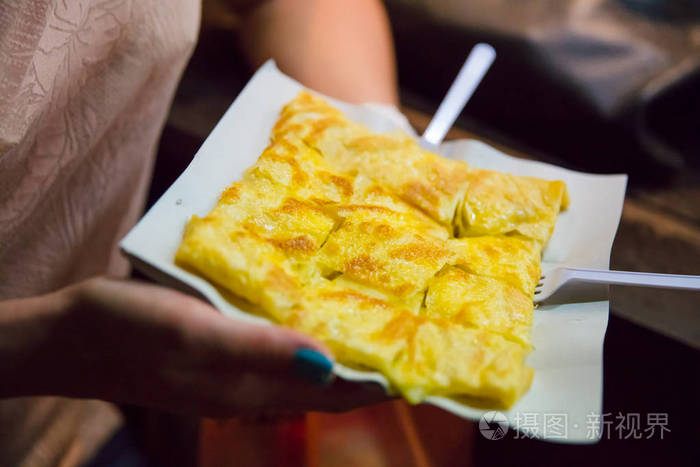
599 85
591 85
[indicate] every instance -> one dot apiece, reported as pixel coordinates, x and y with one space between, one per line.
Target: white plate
566 392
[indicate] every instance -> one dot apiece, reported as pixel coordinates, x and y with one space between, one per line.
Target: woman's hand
147 345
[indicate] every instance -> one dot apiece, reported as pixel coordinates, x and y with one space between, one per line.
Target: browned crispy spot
364 226
421 193
322 201
318 127
346 295
294 206
280 280
288 146
343 184
368 207
232 193
282 122
304 103
298 175
293 128
302 243
375 143
491 251
377 190
251 230
362 265
307 102
402 290
402 327
446 177
419 251
465 315
303 97
383 231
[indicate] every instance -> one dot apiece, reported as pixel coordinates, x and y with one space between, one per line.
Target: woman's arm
148 345
342 48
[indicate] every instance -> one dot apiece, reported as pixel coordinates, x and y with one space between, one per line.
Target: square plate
566 393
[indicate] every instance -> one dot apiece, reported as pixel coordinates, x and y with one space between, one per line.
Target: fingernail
313 366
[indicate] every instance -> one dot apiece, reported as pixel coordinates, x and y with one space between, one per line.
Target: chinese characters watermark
624 426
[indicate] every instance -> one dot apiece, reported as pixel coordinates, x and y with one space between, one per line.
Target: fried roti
399 260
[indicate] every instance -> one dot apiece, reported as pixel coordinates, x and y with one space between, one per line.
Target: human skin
143 344
147 345
342 48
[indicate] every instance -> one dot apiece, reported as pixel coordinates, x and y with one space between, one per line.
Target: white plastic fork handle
475 67
645 279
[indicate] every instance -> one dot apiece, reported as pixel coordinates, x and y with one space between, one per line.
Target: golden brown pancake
349 236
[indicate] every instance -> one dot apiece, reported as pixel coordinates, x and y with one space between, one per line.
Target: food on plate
473 201
401 261
497 203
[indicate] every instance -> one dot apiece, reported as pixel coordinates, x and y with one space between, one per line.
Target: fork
562 284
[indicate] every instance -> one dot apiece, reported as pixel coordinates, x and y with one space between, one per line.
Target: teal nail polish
313 366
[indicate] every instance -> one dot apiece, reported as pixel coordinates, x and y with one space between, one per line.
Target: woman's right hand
148 345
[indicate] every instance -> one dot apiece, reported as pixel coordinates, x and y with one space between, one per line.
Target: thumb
271 348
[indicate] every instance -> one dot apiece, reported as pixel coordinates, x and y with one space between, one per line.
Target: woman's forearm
342 48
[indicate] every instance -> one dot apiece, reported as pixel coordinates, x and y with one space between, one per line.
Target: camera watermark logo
493 425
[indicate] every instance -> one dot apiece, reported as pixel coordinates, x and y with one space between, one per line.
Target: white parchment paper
566 394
